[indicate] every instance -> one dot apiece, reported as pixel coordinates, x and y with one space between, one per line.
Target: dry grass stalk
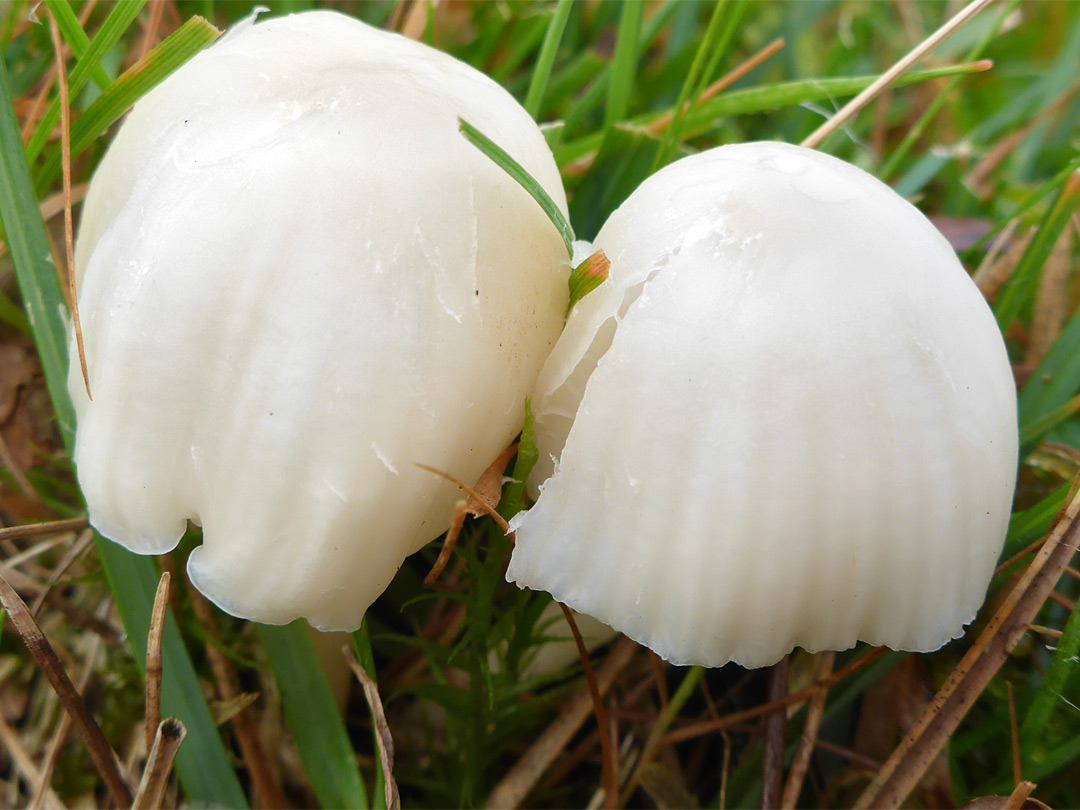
40 529
1052 301
153 24
1019 796
153 659
892 74
69 227
167 739
515 786
823 665
773 726
102 755
63 728
1001 261
1014 734
417 17
899 775
727 721
382 729
24 764
78 548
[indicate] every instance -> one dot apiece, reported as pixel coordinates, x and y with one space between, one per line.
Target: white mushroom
297 280
787 419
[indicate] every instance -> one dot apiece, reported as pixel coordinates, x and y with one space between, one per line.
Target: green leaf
203 764
120 17
523 178
313 716
1053 383
513 499
137 81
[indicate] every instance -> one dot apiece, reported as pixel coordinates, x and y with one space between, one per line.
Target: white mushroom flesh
297 280
787 418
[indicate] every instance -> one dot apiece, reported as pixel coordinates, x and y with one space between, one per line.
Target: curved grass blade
120 18
76 38
203 764
313 716
524 179
137 81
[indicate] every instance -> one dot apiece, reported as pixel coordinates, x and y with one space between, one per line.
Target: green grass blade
523 178
13 316
203 764
624 64
313 716
147 73
931 111
120 17
76 38
542 71
1021 287
722 24
754 100
1054 382
1049 695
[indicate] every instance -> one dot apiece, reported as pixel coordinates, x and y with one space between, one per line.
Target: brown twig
892 74
772 760
63 728
899 775
69 228
709 726
167 739
39 529
78 548
382 729
723 83
45 656
515 786
153 659
1014 734
801 763
153 23
1019 796
725 767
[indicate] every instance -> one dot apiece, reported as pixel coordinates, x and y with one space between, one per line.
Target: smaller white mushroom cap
297 279
787 418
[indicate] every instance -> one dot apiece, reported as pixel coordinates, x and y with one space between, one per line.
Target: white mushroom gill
787 418
297 279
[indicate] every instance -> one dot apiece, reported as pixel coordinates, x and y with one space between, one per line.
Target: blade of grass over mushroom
1021 287
765 98
76 38
542 71
523 178
120 17
137 81
203 764
313 717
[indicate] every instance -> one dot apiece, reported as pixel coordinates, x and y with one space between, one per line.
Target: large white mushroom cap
787 419
297 279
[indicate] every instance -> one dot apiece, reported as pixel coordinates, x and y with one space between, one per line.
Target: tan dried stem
40 529
153 659
63 728
153 25
78 548
899 775
69 228
1014 736
849 110
102 755
823 665
521 779
155 778
383 737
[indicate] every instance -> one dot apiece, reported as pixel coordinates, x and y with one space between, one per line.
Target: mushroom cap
297 279
787 418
